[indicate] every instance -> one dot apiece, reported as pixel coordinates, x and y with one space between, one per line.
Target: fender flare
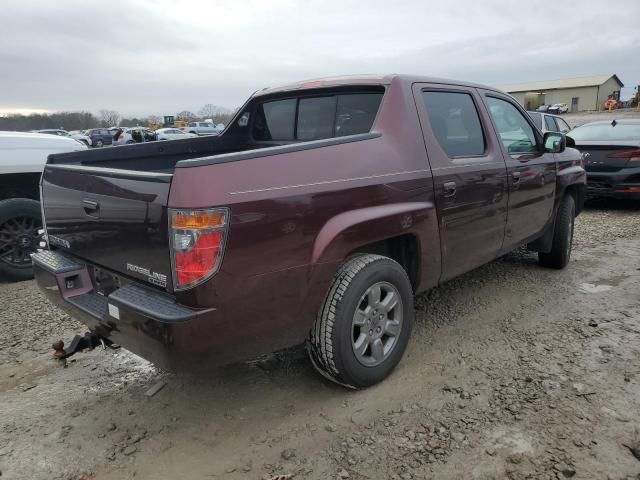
344 232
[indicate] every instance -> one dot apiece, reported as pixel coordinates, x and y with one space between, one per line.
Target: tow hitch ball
88 341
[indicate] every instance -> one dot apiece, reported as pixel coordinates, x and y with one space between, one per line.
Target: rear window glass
275 120
606 131
317 117
455 123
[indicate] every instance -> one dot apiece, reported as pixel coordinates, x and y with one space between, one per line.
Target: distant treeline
106 118
40 121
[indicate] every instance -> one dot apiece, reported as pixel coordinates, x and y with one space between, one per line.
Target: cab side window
455 123
550 122
562 125
515 132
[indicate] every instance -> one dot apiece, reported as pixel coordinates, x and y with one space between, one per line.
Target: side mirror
554 142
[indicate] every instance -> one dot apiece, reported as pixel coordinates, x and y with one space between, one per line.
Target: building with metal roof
580 93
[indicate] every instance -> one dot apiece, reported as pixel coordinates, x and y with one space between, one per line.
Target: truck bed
161 156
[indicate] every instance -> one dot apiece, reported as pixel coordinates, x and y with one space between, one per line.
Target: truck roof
368 79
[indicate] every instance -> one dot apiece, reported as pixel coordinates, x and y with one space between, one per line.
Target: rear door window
550 123
455 123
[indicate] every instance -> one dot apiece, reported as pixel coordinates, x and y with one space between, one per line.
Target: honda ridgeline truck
316 216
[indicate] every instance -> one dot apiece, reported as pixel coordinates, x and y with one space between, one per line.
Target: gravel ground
513 371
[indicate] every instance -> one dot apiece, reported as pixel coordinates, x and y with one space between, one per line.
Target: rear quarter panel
296 216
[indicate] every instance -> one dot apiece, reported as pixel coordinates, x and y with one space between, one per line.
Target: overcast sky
163 56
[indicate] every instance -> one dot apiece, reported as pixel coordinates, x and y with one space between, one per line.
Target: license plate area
105 281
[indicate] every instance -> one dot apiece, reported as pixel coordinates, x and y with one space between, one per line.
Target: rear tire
20 219
363 327
560 252
99 143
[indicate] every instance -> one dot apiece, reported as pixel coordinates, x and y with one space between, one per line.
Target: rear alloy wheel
560 252
20 221
363 327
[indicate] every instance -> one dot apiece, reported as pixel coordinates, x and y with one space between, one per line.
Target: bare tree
216 113
154 119
109 118
186 115
210 110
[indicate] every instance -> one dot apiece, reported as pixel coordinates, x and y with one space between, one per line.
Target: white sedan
173 134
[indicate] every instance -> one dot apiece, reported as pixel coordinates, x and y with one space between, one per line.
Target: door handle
90 204
90 207
449 189
516 178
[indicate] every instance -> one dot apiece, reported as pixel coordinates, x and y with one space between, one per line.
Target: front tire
20 221
364 325
560 252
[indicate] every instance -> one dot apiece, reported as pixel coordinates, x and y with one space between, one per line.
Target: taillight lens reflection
197 238
633 156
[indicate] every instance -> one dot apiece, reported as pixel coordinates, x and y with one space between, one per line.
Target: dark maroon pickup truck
316 216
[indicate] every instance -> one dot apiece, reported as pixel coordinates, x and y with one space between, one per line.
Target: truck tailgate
114 219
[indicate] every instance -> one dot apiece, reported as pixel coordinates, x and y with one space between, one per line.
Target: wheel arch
400 231
20 185
571 181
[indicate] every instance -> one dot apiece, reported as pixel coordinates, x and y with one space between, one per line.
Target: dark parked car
611 150
549 123
317 215
99 137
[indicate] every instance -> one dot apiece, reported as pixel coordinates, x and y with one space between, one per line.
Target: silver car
127 136
549 123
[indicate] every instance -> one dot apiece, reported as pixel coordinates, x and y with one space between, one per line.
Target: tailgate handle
90 206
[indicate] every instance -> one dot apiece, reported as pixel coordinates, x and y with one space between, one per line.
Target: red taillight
632 154
197 241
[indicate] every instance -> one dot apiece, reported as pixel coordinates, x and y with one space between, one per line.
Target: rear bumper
148 323
624 183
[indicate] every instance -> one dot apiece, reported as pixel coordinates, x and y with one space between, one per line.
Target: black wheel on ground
560 252
99 143
20 221
363 327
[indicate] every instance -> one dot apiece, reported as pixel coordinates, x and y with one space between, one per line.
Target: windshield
606 131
